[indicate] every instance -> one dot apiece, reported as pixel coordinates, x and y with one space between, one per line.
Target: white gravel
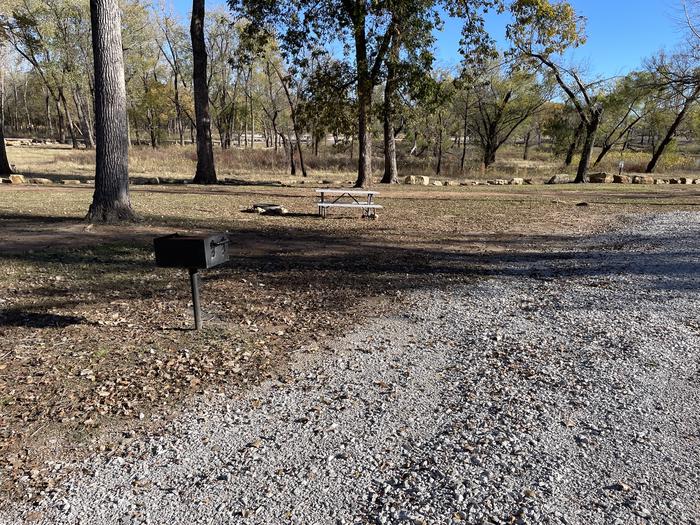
564 389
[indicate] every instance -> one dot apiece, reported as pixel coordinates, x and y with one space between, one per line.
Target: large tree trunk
391 173
591 130
5 168
364 106
206 173
489 157
111 201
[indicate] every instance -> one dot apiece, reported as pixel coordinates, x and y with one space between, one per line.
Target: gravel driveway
563 389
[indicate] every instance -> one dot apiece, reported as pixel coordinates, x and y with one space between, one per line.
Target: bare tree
206 173
110 201
391 173
678 80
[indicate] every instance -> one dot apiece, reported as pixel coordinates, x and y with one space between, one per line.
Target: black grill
194 252
191 251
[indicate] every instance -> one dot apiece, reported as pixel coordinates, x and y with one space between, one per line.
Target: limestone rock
621 179
516 181
17 179
70 182
437 183
268 209
600 178
411 179
40 181
642 179
425 181
561 178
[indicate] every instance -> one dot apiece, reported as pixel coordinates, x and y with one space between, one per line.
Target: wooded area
270 75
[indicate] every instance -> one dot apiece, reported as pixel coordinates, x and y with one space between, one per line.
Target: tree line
274 70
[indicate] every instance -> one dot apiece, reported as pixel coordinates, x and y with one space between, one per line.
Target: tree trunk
391 173
295 125
5 168
30 125
61 126
2 98
671 131
252 125
71 127
603 152
206 173
17 126
301 154
152 129
465 130
489 155
85 129
574 143
364 106
178 110
526 151
591 130
111 201
438 167
47 102
289 150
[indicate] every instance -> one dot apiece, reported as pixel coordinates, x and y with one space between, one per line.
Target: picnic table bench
364 199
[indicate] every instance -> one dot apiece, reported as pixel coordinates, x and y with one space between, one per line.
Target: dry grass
332 164
92 335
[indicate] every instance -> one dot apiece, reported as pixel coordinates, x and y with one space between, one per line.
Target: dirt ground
96 342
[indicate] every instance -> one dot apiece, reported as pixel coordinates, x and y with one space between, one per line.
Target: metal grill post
194 282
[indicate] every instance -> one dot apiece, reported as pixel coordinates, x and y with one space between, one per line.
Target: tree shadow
301 257
27 319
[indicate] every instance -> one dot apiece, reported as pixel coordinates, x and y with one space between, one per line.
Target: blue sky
621 33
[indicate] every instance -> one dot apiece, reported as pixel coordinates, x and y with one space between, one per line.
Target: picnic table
364 199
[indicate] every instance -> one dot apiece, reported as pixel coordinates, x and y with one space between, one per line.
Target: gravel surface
564 389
